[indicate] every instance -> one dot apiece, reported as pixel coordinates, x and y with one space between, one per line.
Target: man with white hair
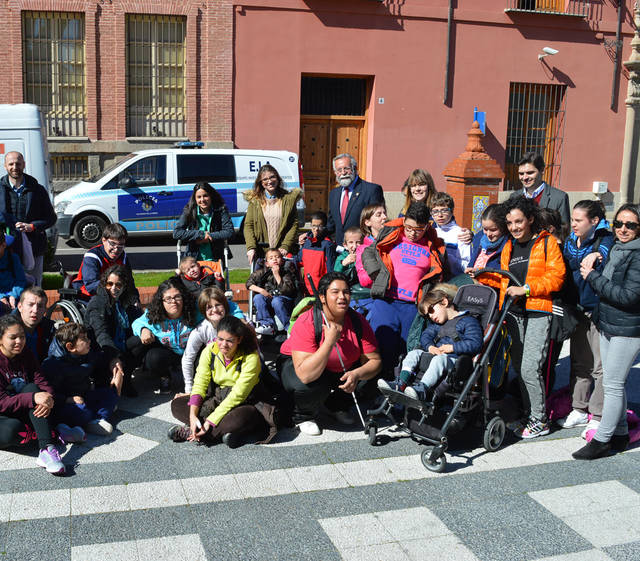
351 195
28 203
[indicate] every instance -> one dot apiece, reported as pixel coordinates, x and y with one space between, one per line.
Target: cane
344 369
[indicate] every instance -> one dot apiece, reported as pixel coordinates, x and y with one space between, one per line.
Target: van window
146 172
212 168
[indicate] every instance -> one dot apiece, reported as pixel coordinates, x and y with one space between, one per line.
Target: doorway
333 121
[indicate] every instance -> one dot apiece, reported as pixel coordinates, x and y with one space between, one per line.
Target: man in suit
28 203
351 195
530 168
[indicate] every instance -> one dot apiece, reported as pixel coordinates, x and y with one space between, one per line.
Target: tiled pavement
138 496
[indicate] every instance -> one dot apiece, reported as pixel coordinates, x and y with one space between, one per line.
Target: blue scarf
490 246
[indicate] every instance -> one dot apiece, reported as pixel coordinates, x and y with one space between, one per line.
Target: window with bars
155 75
562 7
54 69
67 168
535 124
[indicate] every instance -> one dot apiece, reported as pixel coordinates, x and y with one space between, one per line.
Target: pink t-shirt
411 261
303 339
363 277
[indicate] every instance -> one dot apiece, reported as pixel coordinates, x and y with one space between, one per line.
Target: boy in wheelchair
451 334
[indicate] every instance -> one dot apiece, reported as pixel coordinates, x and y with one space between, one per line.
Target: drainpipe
447 67
616 64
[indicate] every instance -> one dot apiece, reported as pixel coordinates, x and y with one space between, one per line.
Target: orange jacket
545 274
378 260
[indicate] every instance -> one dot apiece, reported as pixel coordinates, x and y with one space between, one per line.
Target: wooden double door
321 139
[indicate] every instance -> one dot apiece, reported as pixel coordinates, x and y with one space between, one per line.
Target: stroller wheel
494 434
437 465
372 433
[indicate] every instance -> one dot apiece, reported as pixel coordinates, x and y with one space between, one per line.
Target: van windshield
108 169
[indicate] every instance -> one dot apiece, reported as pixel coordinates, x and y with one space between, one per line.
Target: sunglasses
109 284
431 308
630 225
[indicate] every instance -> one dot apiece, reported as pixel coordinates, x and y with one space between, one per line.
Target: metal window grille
535 124
155 75
54 69
563 7
67 168
333 96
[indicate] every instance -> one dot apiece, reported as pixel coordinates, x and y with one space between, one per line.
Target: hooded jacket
23 366
545 273
376 259
74 374
618 311
255 226
574 255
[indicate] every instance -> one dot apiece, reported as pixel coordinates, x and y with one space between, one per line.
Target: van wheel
88 230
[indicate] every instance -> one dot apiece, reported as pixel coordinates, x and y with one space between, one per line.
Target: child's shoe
49 459
416 392
534 429
592 425
69 435
265 329
576 418
393 385
101 427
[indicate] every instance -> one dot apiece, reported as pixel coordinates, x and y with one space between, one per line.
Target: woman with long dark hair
272 218
161 334
617 317
205 224
111 313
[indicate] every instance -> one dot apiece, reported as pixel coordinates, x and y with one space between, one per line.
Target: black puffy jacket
618 312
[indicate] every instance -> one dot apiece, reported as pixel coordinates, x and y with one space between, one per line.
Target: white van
146 191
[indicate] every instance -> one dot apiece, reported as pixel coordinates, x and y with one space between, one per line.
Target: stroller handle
499 272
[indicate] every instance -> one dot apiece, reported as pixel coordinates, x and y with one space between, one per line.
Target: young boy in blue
452 333
12 277
458 253
346 261
82 380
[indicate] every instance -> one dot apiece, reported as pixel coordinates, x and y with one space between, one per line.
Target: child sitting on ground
451 334
458 253
198 275
82 381
318 252
12 277
274 288
346 261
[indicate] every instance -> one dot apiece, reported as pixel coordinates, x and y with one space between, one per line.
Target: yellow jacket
241 374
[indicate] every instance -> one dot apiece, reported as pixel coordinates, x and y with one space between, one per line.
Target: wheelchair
71 306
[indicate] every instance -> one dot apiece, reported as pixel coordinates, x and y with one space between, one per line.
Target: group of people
368 278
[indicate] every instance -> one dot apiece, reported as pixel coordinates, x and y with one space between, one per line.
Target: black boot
594 449
619 442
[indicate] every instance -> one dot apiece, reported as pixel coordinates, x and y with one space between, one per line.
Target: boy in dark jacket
82 380
451 334
275 290
198 275
318 252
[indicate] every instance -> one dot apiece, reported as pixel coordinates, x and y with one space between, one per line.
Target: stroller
475 386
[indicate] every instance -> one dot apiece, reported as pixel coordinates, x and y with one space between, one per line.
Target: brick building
393 81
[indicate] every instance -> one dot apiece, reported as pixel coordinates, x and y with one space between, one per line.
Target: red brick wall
209 55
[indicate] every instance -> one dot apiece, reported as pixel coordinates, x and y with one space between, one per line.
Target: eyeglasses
438 211
169 299
110 284
630 225
115 245
411 229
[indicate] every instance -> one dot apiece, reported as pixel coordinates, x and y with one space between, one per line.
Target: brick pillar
472 181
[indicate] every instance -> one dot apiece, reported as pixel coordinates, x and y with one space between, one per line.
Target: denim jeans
618 356
98 404
267 308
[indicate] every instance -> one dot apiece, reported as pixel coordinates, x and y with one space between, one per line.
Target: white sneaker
101 427
70 434
593 424
310 427
262 329
576 418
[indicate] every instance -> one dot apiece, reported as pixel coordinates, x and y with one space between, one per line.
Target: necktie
345 204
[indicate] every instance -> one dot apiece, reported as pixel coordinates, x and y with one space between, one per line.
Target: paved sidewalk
137 496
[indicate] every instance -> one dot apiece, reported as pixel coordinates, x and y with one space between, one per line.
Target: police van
146 191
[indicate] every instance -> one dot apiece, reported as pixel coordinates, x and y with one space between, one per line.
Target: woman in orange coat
534 258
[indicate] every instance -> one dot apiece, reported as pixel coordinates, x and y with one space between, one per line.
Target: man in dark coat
530 169
28 203
358 193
